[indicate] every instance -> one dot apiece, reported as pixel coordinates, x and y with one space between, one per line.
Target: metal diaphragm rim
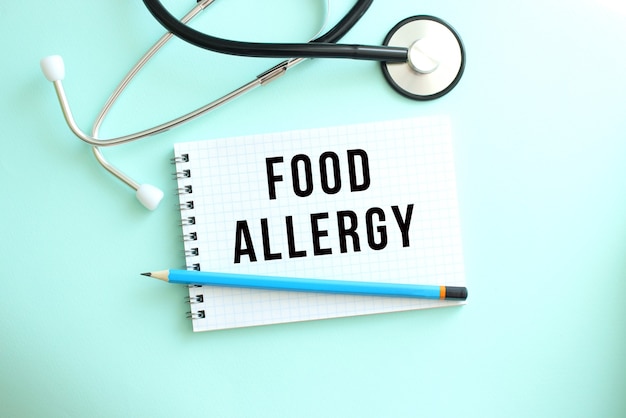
451 57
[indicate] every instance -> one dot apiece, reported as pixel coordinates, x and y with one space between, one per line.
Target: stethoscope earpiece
149 196
436 58
53 67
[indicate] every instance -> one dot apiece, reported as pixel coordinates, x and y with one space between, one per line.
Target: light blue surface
540 145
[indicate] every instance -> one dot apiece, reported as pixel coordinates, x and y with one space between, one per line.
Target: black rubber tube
322 47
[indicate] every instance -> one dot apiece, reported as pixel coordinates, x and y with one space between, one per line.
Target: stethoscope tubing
332 35
324 46
318 48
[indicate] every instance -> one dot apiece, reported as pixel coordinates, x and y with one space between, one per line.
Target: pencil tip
147 274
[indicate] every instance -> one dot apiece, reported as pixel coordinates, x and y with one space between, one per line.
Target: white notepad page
353 189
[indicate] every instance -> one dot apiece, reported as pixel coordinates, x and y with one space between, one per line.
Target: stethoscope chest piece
436 58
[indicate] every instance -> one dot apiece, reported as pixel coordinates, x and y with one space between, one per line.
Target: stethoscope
422 58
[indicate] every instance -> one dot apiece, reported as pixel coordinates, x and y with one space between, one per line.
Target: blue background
540 148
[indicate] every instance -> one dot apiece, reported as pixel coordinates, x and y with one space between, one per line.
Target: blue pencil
192 277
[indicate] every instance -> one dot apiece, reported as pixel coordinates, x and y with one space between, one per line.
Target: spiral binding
188 221
185 174
192 252
192 236
183 158
186 205
189 236
184 190
193 300
196 315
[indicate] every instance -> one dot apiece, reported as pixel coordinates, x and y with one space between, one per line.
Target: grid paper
410 163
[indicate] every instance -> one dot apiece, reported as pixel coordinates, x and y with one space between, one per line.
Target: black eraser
456 292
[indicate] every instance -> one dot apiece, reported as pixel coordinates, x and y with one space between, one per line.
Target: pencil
204 278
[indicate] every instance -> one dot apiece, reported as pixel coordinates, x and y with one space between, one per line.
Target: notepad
365 202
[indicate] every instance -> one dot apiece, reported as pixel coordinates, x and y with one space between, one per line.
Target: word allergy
349 230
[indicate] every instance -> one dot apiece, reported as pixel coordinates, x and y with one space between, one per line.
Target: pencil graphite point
161 275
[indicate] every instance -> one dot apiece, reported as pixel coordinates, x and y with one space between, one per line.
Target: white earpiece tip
149 196
53 67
